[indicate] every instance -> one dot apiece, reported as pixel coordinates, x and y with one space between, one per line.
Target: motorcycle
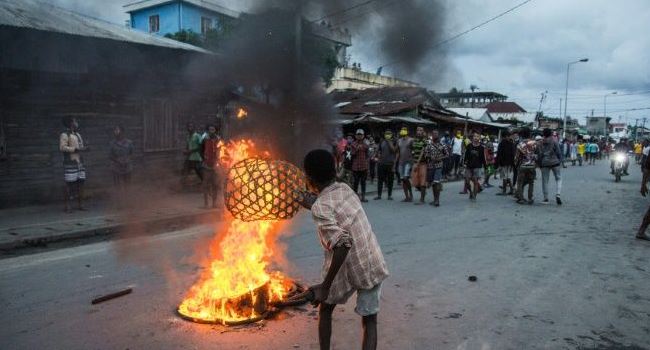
620 159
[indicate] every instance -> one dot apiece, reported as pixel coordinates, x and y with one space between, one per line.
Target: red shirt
211 152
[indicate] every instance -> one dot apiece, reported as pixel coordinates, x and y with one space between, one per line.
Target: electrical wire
336 13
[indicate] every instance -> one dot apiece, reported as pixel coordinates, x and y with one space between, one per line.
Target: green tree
187 36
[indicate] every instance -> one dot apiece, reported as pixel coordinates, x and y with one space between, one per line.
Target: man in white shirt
456 153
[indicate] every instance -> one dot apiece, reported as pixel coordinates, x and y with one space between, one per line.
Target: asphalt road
549 277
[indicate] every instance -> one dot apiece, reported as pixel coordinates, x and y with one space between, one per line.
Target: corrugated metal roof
382 101
504 107
473 113
39 15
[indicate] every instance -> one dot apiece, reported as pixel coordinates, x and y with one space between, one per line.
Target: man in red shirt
211 148
360 163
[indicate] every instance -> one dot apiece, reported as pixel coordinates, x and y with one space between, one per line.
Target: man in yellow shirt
581 151
638 151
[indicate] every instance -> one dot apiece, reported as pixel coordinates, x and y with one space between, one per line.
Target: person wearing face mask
405 163
387 154
419 173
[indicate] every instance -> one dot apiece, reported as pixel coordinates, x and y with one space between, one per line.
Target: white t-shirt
646 150
457 147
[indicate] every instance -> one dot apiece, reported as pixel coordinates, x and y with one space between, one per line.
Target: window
206 24
160 127
154 24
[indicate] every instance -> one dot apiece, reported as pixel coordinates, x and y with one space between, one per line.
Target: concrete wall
169 18
348 78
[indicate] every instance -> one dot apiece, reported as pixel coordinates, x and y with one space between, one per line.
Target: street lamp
605 112
566 92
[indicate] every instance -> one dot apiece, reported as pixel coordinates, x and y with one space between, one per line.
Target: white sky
523 53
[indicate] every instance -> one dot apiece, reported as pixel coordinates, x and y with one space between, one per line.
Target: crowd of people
427 160
201 156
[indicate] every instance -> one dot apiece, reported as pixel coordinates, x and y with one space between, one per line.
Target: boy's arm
322 291
63 144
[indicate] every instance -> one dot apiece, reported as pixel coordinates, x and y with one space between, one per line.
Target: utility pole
642 127
566 91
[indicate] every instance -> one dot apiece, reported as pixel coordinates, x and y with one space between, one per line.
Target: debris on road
111 296
472 278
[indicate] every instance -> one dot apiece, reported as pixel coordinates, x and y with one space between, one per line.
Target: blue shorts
404 170
434 175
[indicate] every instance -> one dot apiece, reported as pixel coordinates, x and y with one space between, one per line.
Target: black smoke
272 54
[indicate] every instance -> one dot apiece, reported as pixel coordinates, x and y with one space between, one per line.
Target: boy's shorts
404 170
367 300
505 171
473 173
434 175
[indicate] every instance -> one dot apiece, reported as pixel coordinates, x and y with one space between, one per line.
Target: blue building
161 17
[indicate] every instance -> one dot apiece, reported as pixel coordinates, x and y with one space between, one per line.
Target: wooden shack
56 63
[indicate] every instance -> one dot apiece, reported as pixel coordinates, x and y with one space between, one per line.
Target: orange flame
240 258
241 113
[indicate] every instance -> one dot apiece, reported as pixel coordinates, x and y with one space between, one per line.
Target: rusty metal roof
382 101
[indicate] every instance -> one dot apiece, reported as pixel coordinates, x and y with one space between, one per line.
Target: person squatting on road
360 163
387 154
550 159
419 173
74 173
405 163
474 164
353 261
505 163
526 158
435 154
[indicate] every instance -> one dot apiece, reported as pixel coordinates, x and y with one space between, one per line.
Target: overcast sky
521 54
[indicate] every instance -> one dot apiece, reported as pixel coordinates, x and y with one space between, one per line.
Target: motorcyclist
622 147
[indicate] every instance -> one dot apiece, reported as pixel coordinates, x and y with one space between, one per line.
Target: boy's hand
305 198
320 293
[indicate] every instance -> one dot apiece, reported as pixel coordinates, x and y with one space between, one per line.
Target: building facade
162 17
597 125
355 79
479 99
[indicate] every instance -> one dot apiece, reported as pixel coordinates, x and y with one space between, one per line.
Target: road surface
549 277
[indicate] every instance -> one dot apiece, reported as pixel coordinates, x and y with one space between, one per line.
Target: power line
587 96
452 38
336 13
351 18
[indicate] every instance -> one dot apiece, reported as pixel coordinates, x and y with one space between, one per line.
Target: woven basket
261 189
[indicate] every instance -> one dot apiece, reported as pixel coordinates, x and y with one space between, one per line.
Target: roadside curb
108 230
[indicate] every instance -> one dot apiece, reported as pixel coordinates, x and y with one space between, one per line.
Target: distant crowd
427 160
